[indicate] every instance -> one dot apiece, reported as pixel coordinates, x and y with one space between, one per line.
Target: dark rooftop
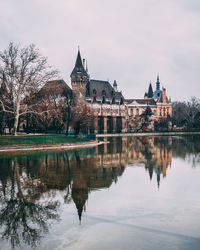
78 68
100 88
149 101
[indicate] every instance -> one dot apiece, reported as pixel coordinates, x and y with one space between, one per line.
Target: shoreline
22 148
19 148
147 134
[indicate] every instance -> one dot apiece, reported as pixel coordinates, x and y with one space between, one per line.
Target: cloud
129 41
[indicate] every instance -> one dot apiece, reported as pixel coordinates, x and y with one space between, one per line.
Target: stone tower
79 80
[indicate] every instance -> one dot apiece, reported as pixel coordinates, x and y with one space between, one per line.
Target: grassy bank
42 139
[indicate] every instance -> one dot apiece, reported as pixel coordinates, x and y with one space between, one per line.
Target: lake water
132 193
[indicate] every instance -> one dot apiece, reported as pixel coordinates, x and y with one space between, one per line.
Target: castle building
157 100
103 98
112 111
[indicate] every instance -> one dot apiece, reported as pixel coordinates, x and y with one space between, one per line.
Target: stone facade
107 103
112 111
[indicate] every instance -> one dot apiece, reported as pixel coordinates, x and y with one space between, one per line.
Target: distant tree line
186 115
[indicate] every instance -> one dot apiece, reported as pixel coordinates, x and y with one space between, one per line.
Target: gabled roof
149 101
56 87
78 68
97 87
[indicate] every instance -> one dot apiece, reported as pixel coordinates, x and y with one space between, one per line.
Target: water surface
133 193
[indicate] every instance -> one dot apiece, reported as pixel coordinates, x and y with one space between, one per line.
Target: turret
79 80
158 83
115 85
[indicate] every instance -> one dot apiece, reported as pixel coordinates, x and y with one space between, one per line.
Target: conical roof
78 68
150 91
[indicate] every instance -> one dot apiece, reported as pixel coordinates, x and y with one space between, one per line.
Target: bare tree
191 110
186 114
23 71
82 118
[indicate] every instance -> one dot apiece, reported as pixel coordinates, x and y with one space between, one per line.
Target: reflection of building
155 157
77 173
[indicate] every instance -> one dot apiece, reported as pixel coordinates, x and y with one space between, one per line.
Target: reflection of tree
187 148
21 219
27 179
24 221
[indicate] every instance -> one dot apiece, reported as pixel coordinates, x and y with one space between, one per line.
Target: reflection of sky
135 212
132 212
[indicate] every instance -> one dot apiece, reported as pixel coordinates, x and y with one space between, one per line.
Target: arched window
137 111
103 93
131 112
94 92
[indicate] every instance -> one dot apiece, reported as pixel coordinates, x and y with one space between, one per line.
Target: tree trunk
16 117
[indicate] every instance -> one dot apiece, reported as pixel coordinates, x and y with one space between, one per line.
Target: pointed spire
150 91
115 85
158 83
78 60
78 68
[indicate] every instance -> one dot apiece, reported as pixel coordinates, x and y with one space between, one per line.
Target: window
131 112
103 93
167 111
154 112
137 111
160 112
94 91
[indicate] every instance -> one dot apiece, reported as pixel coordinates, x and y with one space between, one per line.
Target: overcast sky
129 41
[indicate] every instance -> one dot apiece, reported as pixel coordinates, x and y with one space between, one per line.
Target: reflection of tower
79 197
158 172
79 187
150 169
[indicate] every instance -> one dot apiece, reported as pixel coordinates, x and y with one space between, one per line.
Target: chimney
164 95
84 63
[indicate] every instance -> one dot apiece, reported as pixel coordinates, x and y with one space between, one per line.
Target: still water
132 193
